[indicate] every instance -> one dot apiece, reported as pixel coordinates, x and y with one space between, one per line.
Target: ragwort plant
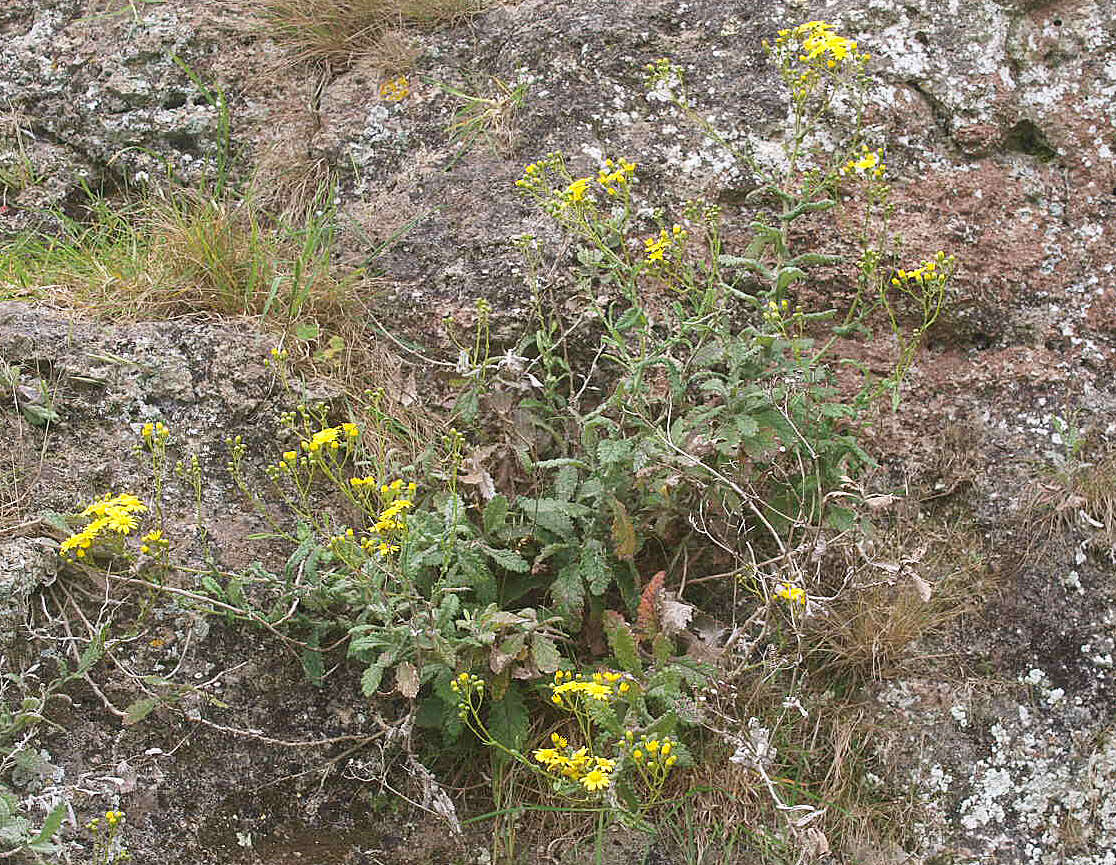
718 395
702 436
709 423
616 756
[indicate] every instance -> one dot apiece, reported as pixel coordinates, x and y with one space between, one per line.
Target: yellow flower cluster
593 773
115 514
114 817
549 180
932 270
575 193
870 164
155 433
395 90
531 173
154 542
615 176
791 594
534 177
330 438
818 45
654 753
391 515
604 687
666 247
653 759
466 685
774 313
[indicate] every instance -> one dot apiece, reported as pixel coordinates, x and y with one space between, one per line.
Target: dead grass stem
339 31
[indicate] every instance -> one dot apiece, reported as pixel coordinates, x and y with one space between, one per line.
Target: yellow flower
120 522
869 164
791 594
549 756
595 780
320 438
591 689
577 190
123 502
395 90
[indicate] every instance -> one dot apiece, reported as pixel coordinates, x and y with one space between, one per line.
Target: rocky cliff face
999 126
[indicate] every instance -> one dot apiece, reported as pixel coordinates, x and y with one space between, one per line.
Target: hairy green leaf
508 719
595 570
495 513
622 642
139 710
568 591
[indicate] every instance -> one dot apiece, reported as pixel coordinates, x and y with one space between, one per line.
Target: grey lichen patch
1044 791
26 566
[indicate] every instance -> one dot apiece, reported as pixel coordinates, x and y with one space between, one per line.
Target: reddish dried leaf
647 615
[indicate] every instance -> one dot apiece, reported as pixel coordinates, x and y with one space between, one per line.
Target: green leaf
841 519
545 652
467 406
613 451
594 567
139 710
41 842
553 515
662 648
495 513
622 642
39 415
92 654
311 657
632 317
370 681
508 719
623 532
604 717
568 591
509 560
294 562
747 427
787 275
565 485
306 331
838 410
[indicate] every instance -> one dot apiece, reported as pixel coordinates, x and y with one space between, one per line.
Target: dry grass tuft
338 31
912 586
815 761
185 253
15 471
1079 496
